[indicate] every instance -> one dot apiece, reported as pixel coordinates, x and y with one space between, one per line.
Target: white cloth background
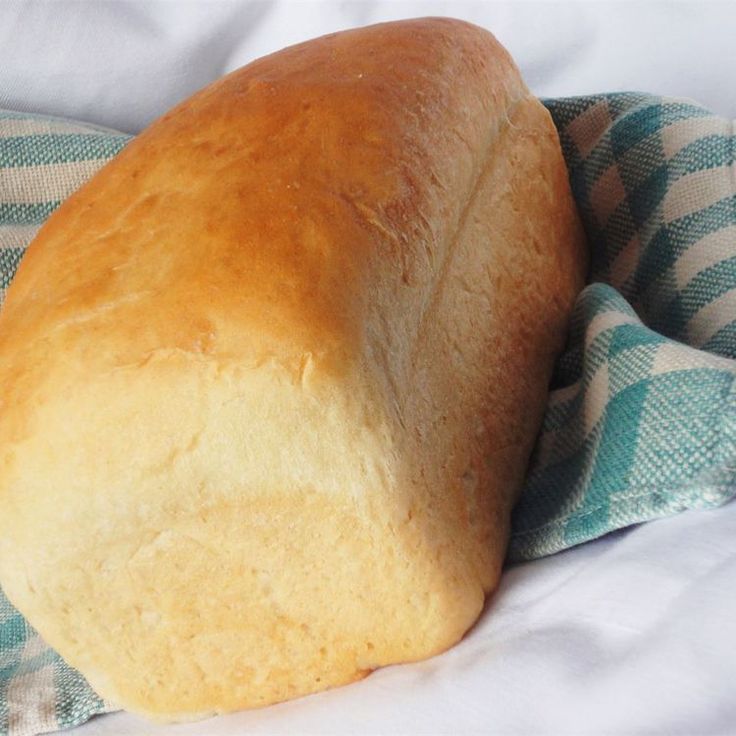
121 64
632 634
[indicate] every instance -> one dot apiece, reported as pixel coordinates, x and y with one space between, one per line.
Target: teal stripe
614 458
71 709
668 245
609 240
593 300
565 110
697 225
26 214
9 670
3 707
543 507
39 150
620 103
560 414
644 199
723 342
708 152
651 117
4 684
12 632
572 154
46 657
10 259
706 287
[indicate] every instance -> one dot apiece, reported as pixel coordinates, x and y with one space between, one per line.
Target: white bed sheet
632 634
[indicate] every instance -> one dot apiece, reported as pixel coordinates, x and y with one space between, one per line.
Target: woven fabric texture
641 420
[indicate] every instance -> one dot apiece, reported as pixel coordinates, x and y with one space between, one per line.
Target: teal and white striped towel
642 419
641 422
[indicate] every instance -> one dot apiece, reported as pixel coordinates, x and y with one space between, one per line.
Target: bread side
273 376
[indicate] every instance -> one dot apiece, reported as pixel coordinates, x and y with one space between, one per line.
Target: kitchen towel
641 419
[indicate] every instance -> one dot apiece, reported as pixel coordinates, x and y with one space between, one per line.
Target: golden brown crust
272 377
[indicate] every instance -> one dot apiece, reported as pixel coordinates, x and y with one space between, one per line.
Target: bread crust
272 377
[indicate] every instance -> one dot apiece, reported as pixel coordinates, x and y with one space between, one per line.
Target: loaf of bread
272 377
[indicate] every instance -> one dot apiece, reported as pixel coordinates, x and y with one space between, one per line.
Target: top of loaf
254 207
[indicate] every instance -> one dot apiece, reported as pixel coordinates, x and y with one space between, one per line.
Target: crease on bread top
272 377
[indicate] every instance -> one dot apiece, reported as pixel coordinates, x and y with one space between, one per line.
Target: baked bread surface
272 377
